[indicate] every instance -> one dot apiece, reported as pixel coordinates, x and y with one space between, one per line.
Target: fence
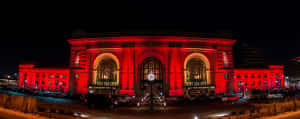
270 108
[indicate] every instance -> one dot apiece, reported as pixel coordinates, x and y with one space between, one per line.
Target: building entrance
151 67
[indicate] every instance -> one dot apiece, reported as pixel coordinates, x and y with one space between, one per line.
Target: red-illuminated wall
52 79
129 53
170 51
264 79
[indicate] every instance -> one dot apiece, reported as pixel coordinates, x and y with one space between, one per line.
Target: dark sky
39 31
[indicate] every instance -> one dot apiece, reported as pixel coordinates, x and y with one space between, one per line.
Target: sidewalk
286 115
11 114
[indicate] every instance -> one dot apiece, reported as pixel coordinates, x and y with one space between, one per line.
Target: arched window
107 72
196 72
152 66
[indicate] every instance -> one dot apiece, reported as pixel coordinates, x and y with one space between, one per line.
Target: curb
283 115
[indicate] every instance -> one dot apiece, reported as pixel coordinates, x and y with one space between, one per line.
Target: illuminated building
119 65
293 72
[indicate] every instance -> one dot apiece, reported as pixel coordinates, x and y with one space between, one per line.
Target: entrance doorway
151 66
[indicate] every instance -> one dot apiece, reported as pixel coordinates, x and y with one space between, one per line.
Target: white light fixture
91 91
151 76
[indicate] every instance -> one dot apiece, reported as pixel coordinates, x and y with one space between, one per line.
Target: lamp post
151 78
8 78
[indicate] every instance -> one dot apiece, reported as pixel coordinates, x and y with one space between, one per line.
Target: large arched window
151 65
196 74
106 72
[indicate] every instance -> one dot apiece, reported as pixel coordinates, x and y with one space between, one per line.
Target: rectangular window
239 83
57 76
246 76
252 76
265 75
50 76
238 75
225 59
56 82
226 75
277 75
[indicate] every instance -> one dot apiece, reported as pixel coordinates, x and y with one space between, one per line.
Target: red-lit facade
263 79
120 65
51 79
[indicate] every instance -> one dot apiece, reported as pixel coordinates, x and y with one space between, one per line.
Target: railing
200 86
104 84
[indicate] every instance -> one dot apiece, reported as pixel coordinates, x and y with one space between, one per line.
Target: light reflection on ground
44 98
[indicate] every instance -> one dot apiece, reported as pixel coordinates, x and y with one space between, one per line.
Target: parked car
274 95
230 98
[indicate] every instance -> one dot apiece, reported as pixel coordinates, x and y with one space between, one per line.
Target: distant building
122 65
293 72
259 78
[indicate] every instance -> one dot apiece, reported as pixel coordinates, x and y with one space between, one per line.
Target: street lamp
151 78
8 78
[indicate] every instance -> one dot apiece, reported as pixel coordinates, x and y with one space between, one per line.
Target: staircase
159 101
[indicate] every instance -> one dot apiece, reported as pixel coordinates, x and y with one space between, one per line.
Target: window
253 83
277 75
196 73
56 82
239 83
62 76
50 75
246 76
76 75
225 59
36 82
265 75
56 76
77 60
265 82
238 75
106 73
226 75
259 82
49 82
37 75
43 82
246 83
258 76
252 76
43 75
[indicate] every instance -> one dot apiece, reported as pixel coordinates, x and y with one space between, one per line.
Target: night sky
39 32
